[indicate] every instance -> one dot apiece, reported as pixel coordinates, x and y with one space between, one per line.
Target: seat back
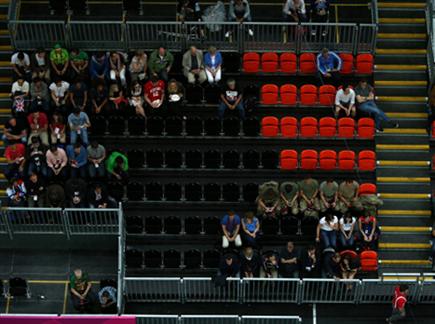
251 159
346 127
347 63
269 62
309 95
327 95
193 192
309 127
366 128
251 62
346 160
269 126
269 159
269 94
288 93
307 63
327 127
327 160
364 64
367 160
288 63
367 189
309 160
288 160
289 127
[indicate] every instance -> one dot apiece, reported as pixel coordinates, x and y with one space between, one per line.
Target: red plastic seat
288 160
327 95
269 126
369 261
288 63
347 63
366 128
327 127
346 127
307 63
328 160
367 160
433 128
309 95
364 64
346 160
269 62
289 127
367 189
349 253
269 94
309 127
289 94
251 62
308 160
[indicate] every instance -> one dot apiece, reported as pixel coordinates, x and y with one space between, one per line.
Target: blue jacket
207 60
98 68
81 159
333 61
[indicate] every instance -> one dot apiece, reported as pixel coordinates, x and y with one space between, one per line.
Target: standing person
319 14
193 66
21 66
96 156
399 302
345 101
160 63
230 224
327 231
213 64
329 66
117 167
117 68
294 11
231 98
368 233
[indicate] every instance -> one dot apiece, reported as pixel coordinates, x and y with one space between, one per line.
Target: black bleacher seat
251 127
212 225
116 190
250 192
230 159
135 191
136 125
193 159
192 259
193 192
18 287
173 159
153 191
108 283
194 126
212 94
171 259
153 259
153 225
289 225
172 225
231 127
98 125
232 62
212 192
154 159
173 126
194 94
212 159
251 159
133 258
173 192
212 126
155 126
136 158
270 226
309 226
134 224
116 125
192 225
269 159
231 192
211 259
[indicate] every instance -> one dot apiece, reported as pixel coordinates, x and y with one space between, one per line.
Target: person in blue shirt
213 63
99 67
329 66
79 123
231 228
78 159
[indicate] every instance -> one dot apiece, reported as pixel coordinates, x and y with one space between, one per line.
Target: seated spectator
188 10
309 204
289 192
117 102
78 159
348 192
82 296
347 227
55 196
59 94
432 241
268 199
57 129
270 266
117 167
250 263
56 162
98 197
239 11
331 265
96 156
79 62
79 123
329 66
19 105
38 123
193 66
59 59
213 65
99 99
14 131
138 66
20 88
345 101
309 263
289 261
294 11
99 67
319 14
349 267
107 297
175 97
136 98
229 266
117 68
365 98
21 66
154 94
75 191
40 66
368 233
231 98
327 231
15 158
35 191
328 195
78 95
16 193
251 229
370 203
160 63
39 96
230 224
36 157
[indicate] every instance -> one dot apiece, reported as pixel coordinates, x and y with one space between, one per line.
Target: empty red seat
346 127
251 62
366 128
369 261
367 189
289 94
309 127
327 127
269 62
347 63
288 160
367 160
308 160
269 94
288 63
289 127
328 160
433 128
307 63
364 64
269 126
327 95
346 160
309 95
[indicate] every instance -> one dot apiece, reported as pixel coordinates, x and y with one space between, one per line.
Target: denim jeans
40 169
371 108
96 172
329 238
239 108
346 242
83 134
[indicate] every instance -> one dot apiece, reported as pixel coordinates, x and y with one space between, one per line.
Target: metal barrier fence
216 319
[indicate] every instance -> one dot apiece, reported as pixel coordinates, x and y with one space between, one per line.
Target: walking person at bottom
399 303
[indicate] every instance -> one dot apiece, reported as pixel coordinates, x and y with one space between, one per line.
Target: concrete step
400 51
400 28
391 173
407 204
401 67
404 221
403 180
400 164
403 147
404 107
398 238
404 188
402 36
398 90
402 20
406 229
391 137
400 43
403 263
408 4
404 132
403 83
400 75
399 156
397 12
405 196
398 59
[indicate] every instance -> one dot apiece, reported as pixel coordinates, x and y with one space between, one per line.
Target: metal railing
216 319
430 43
121 262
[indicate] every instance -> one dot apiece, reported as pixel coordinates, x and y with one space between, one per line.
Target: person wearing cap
329 66
75 190
231 99
59 59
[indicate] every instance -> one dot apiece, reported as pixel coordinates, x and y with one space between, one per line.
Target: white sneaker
227 34
313 33
250 32
324 33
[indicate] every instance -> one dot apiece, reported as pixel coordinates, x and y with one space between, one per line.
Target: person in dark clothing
55 196
331 264
99 99
231 98
35 191
188 10
319 14
289 261
36 158
250 263
229 266
98 197
15 131
309 263
75 190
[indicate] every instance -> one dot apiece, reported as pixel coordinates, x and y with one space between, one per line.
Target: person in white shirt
347 226
20 62
59 91
20 88
345 100
327 231
294 11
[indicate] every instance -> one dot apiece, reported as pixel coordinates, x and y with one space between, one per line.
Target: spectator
348 192
79 123
57 129
331 265
345 101
399 302
349 267
231 227
78 95
83 299
213 65
251 229
117 101
56 162
96 156
319 14
55 196
289 261
138 66
38 123
289 192
347 226
229 266
99 67
327 231
328 195
294 11
231 98
40 66
368 233
193 66
309 204
107 297
19 105
35 191
370 203
268 199
75 190
99 99
20 88
78 158
188 10
432 241
270 266
175 96
136 98
39 96
117 167
117 68
21 66
15 158
329 66
16 193
14 131
239 11
36 157
98 197
309 263
154 94
160 63
79 61
59 94
365 98
250 263
59 59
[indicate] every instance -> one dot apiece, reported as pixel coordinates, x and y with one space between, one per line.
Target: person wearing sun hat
59 60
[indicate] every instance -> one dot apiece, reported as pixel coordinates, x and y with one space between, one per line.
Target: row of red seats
368 259
287 94
288 63
309 127
327 160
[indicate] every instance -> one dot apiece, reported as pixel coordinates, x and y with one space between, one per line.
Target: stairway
403 172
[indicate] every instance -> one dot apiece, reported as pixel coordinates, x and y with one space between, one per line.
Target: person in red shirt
399 303
154 93
38 123
14 155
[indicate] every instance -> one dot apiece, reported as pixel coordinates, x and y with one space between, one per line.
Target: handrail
375 13
430 43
